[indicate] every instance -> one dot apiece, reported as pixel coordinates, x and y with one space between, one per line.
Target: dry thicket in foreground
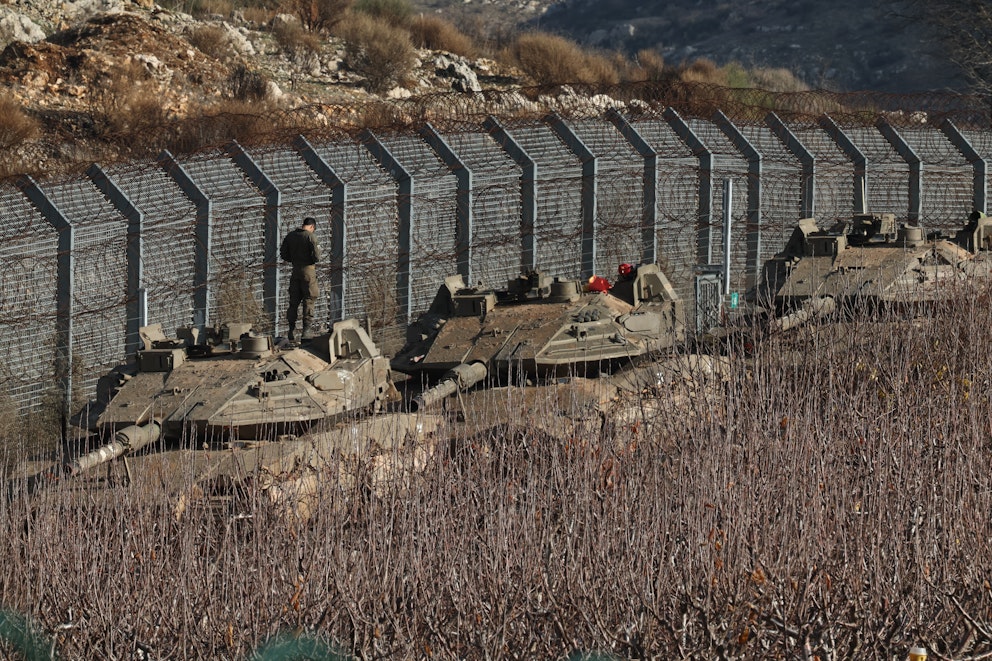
822 503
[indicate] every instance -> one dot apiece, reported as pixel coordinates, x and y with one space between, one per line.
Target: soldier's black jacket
300 247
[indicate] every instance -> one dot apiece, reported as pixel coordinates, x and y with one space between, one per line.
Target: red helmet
625 270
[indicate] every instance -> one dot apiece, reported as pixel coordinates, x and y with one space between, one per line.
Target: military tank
540 326
869 261
234 385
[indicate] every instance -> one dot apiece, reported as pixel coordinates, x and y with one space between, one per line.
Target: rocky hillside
95 69
97 80
842 44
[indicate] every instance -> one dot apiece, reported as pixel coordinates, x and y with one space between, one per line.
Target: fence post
753 225
404 182
915 168
649 198
137 309
704 219
64 286
339 230
980 188
204 216
858 159
807 190
589 194
463 203
273 199
528 190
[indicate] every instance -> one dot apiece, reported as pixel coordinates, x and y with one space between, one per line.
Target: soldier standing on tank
301 248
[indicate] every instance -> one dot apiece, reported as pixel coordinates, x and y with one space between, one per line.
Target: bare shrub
219 123
257 14
435 33
16 127
320 15
651 65
777 80
211 40
295 41
703 70
550 60
126 102
377 50
247 85
393 12
828 497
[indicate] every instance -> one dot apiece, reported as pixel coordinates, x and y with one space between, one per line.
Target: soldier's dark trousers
302 289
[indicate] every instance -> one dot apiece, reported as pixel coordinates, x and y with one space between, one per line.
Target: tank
233 385
540 326
870 262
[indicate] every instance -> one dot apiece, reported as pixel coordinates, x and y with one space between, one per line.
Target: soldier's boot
291 334
307 333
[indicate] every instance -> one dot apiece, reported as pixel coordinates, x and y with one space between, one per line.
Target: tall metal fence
194 239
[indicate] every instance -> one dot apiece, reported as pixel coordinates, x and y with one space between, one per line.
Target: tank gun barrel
811 309
457 378
129 439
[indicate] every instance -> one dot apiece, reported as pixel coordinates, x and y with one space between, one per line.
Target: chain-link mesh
558 231
496 207
99 275
29 254
368 280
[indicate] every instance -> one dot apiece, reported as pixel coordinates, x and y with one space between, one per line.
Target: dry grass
16 126
319 15
435 33
295 41
126 103
248 122
554 60
393 12
830 500
377 50
211 40
247 85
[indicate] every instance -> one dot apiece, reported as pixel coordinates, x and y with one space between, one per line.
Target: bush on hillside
295 41
435 33
211 40
16 127
393 12
777 80
651 64
550 60
320 15
125 102
377 50
247 85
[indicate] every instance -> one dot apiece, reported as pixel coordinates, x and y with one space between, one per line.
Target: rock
17 27
239 42
151 62
458 69
83 9
283 20
273 91
399 93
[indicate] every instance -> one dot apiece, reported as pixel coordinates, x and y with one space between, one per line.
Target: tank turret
540 326
870 260
233 384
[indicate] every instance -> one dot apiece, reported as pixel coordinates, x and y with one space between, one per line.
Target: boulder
463 78
17 27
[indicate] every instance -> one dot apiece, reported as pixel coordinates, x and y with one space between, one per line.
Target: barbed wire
100 302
